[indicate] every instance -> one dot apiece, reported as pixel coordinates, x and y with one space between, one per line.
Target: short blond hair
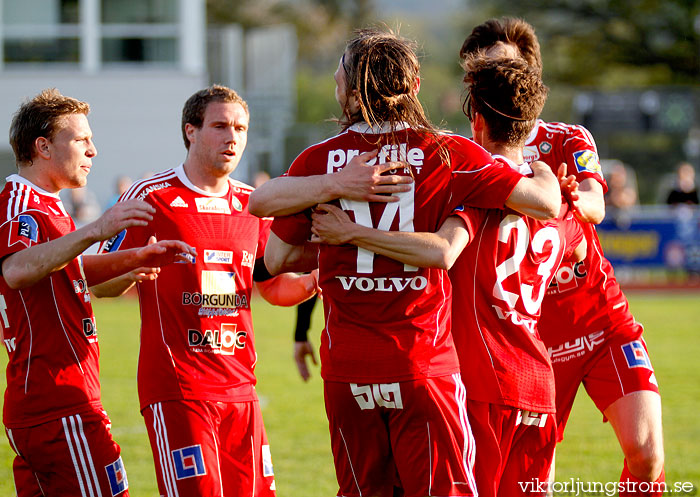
41 116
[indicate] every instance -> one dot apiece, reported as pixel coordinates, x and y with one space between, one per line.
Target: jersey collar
180 173
523 168
16 178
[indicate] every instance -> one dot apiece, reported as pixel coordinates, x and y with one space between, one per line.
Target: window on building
130 32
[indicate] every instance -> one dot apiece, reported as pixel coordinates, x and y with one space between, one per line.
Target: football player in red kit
499 282
196 376
52 412
586 323
394 397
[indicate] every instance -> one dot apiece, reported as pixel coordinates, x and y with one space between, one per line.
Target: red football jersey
583 296
48 328
196 327
386 321
499 282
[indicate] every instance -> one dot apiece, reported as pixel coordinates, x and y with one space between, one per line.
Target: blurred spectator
622 195
121 185
685 190
81 204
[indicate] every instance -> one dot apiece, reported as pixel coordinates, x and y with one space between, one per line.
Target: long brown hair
381 72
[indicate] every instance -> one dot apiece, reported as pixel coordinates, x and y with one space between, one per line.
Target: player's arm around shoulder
538 196
283 257
440 250
358 180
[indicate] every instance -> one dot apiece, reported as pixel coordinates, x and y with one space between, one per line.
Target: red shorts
413 435
514 447
210 448
74 455
610 363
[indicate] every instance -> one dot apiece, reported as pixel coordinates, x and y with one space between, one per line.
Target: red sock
631 486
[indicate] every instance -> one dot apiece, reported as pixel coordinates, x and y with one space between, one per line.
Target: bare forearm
104 267
439 250
288 289
28 266
590 206
288 195
113 288
281 257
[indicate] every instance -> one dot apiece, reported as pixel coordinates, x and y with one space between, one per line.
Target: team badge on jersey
24 230
189 462
212 205
116 474
586 160
236 204
545 147
636 355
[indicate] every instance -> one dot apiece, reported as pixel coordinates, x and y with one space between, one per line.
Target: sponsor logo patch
636 355
267 461
587 161
221 283
576 348
530 418
212 205
90 329
218 257
152 188
116 474
188 462
24 230
113 244
531 153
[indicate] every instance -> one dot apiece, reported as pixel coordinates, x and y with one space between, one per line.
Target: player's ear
42 148
416 86
190 132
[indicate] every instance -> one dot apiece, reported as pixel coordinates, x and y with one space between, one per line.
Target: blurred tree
614 43
322 28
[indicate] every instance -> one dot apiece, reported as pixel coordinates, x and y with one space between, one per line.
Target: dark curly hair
507 92
507 30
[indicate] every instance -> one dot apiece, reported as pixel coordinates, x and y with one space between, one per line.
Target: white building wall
135 117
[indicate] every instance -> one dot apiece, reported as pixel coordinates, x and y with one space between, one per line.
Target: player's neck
203 179
514 153
35 175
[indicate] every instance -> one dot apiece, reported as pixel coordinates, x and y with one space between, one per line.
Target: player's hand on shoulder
121 216
363 182
331 225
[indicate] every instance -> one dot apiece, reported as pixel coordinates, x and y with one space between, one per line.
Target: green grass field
296 422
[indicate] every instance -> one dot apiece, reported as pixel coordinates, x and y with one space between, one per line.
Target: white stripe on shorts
81 457
163 445
469 444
